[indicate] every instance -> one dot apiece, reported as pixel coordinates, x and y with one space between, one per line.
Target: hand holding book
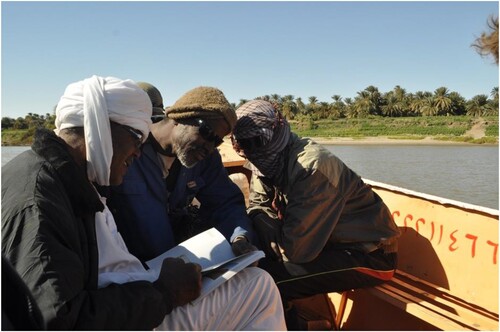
213 253
240 246
180 279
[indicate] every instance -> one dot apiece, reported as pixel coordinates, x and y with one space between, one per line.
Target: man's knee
255 275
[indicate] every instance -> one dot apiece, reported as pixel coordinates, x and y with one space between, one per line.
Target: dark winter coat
48 235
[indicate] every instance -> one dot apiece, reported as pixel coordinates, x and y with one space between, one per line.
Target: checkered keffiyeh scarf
258 118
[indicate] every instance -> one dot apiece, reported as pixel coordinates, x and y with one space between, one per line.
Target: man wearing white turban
82 105
61 238
51 210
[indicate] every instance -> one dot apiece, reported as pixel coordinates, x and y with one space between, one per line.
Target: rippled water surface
466 173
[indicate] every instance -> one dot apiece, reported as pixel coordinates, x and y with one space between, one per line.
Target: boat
447 277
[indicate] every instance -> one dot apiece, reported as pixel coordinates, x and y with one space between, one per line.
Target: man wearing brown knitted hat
153 206
179 161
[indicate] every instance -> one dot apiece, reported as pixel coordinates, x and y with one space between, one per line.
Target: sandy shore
385 141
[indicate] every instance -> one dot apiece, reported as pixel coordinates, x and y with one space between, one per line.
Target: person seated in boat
61 238
322 228
179 162
156 101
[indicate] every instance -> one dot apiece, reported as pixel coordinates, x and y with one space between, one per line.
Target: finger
242 247
270 252
276 250
175 260
199 285
197 268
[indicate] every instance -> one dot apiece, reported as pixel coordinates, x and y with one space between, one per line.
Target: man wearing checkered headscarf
258 118
322 228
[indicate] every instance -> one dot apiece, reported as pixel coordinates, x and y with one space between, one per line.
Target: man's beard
184 156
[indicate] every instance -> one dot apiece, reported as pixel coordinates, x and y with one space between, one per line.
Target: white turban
92 104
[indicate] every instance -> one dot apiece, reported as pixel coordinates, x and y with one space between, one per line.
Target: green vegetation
17 137
20 131
449 128
492 129
371 113
395 103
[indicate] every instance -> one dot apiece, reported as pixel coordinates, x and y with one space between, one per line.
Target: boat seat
432 304
318 312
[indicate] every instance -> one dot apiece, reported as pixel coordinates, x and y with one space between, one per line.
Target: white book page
207 249
211 250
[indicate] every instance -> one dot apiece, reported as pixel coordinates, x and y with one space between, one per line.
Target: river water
466 173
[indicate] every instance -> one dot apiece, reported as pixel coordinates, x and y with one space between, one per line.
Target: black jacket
48 235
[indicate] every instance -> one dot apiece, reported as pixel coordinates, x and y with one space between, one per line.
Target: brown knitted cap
204 102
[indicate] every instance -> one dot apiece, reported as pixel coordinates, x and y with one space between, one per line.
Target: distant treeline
30 121
368 102
394 103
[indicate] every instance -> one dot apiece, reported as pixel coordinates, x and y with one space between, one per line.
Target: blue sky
247 49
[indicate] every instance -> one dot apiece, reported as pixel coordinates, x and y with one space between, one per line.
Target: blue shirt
146 212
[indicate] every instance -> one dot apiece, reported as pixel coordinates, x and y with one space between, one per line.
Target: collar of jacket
81 192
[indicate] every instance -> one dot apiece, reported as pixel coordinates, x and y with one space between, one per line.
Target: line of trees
395 103
30 121
370 101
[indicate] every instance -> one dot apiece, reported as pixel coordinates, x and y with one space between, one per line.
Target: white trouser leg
248 301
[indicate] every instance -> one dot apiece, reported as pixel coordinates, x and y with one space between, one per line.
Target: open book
213 252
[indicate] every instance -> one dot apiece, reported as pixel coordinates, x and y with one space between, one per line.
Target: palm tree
337 107
301 107
415 106
242 101
336 98
323 110
375 98
457 103
399 93
416 101
348 106
478 106
392 107
313 100
276 98
494 97
289 107
403 100
494 93
362 105
442 102
428 107
311 107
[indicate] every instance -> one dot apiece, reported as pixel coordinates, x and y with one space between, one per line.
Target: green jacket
324 203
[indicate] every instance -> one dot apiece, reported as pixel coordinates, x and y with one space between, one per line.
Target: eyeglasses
136 134
247 145
207 132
